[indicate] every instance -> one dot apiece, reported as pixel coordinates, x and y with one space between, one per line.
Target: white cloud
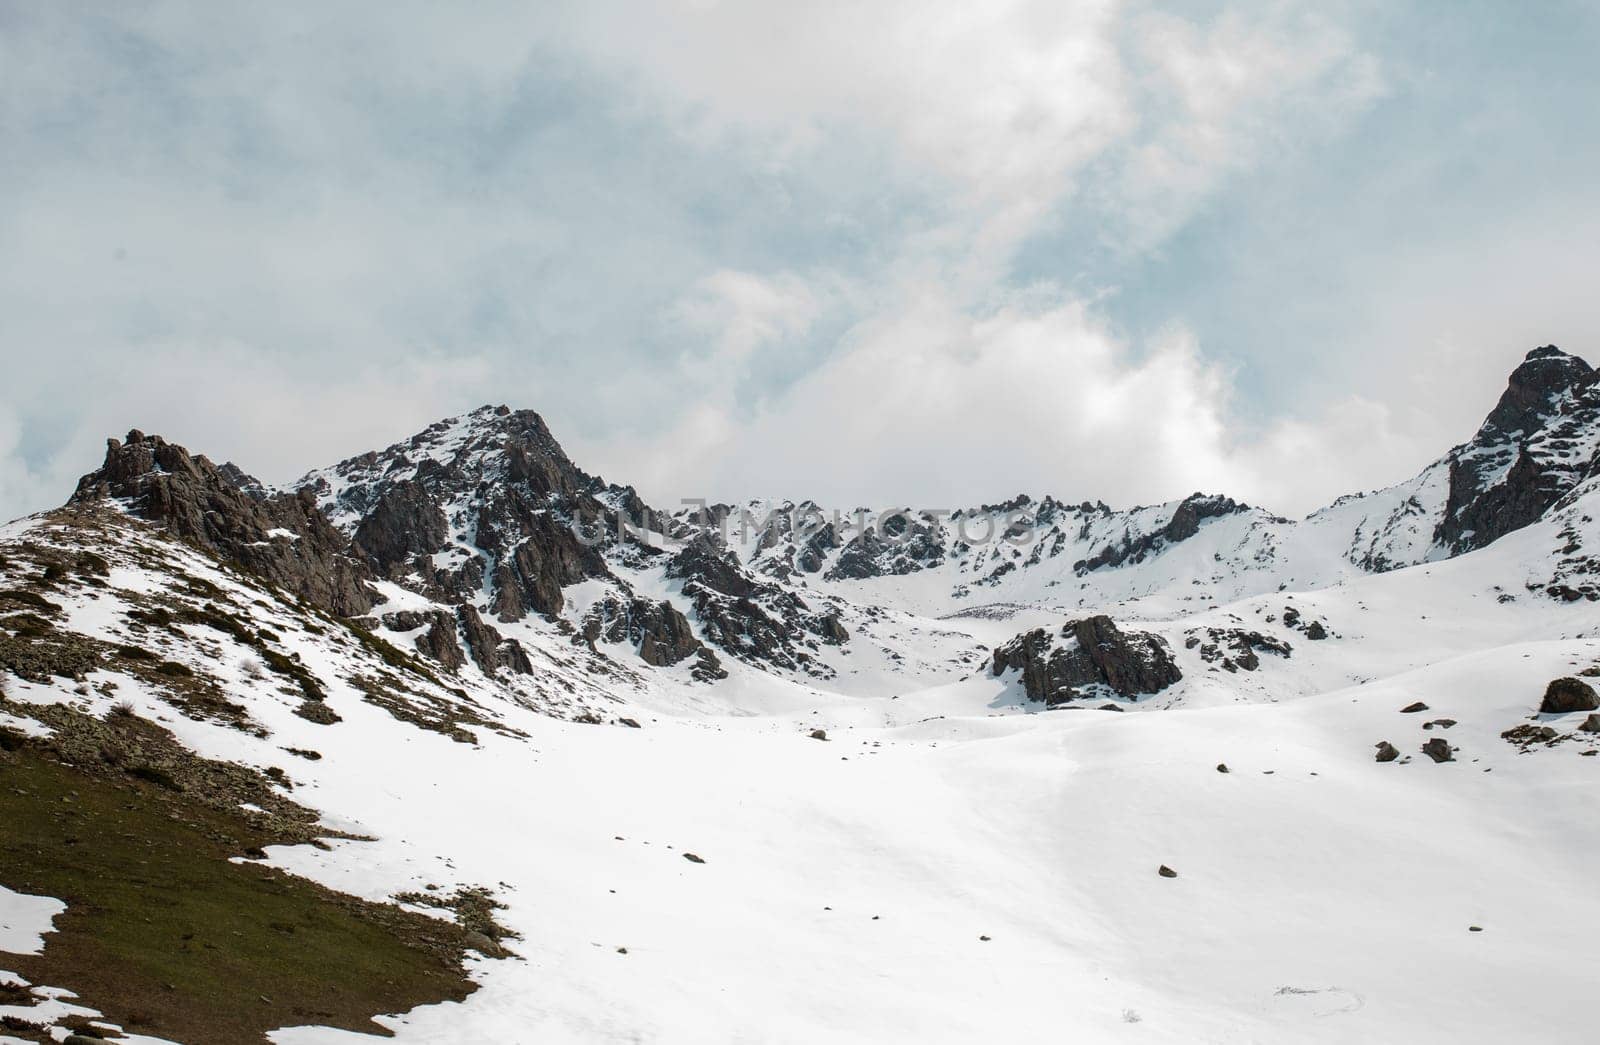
727 248
735 314
933 407
1218 97
947 385
928 404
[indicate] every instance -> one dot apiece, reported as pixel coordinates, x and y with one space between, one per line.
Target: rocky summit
500 751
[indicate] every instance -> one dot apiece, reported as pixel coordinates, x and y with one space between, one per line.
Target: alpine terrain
454 741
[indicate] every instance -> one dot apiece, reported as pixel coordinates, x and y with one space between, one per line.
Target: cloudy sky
928 252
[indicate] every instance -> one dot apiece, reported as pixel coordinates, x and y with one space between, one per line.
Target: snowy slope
1320 896
946 861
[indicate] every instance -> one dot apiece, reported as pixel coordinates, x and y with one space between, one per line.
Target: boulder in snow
1567 695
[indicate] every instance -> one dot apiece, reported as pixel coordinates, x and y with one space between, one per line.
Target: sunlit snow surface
848 883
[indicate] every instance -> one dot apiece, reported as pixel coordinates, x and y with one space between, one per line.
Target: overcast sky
930 252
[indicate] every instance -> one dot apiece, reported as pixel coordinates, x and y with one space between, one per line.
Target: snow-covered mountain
1536 446
456 735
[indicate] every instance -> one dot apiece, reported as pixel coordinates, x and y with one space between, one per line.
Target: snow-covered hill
1026 772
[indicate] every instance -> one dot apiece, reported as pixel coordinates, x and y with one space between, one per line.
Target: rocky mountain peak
485 500
454 456
1545 374
282 537
1538 442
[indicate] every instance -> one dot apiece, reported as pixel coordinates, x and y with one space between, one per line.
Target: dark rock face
246 483
548 557
658 632
1567 695
750 619
702 562
489 651
1545 374
665 636
1387 752
1091 653
900 544
439 642
661 634
283 538
832 629
1475 517
1518 464
403 524
814 551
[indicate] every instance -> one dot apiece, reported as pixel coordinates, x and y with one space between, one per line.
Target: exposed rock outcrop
438 642
750 619
403 524
283 538
1234 649
489 651
1183 524
660 634
1085 656
897 544
1518 463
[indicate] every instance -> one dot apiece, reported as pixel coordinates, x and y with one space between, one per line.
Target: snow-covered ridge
1537 444
510 553
893 836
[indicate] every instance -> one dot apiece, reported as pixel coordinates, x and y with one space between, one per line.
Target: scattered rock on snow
1569 694
1412 709
1387 752
1166 872
1438 749
819 734
693 859
1591 724
318 712
1528 734
1234 649
1222 767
